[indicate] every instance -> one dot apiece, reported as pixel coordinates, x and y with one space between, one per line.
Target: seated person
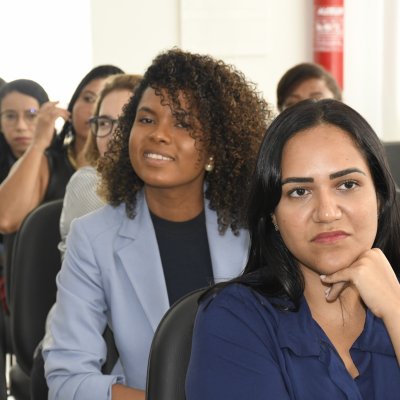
306 81
81 193
43 170
20 101
174 177
316 313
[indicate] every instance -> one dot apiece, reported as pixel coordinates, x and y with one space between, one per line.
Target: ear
273 218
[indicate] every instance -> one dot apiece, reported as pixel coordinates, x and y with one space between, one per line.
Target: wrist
392 313
39 145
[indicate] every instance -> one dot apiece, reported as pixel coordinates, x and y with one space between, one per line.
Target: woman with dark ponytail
48 160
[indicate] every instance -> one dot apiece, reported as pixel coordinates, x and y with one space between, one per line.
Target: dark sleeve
234 352
61 171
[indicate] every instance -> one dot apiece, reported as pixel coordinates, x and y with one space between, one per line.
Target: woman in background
316 314
20 101
81 194
306 81
44 169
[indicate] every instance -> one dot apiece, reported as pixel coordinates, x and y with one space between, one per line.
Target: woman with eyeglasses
81 192
48 161
81 196
35 163
20 101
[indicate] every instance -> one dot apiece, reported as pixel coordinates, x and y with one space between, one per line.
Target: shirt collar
301 334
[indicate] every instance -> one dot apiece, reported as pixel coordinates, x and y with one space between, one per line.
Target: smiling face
162 152
313 88
328 211
18 121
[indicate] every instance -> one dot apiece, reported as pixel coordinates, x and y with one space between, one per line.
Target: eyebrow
88 91
297 96
334 175
146 109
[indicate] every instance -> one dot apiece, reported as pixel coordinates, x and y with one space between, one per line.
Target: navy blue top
245 348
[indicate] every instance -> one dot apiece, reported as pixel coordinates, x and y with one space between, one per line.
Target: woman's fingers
372 275
334 290
48 114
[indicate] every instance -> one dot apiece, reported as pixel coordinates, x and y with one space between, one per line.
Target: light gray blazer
112 274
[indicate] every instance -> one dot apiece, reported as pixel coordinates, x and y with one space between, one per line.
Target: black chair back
392 150
170 350
36 262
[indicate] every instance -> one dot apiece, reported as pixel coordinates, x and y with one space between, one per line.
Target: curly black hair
233 117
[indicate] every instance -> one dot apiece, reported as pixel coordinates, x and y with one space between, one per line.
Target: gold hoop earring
210 164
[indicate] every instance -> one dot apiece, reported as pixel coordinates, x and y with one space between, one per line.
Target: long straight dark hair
101 71
28 88
271 269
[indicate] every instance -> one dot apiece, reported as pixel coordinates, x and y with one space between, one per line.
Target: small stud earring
210 165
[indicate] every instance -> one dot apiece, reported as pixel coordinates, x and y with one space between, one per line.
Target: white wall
129 33
263 38
246 33
48 41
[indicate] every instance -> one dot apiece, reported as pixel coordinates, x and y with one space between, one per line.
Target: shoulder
240 302
233 294
83 177
239 316
84 172
106 219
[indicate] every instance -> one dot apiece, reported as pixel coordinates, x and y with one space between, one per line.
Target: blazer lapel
141 259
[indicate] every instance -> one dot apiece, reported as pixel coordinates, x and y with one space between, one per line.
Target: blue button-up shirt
244 347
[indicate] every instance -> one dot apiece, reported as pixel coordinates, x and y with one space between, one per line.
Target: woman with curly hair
175 178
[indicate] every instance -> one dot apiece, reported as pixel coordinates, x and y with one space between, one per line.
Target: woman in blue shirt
316 314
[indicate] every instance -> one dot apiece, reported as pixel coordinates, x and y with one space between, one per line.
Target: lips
157 156
330 237
23 139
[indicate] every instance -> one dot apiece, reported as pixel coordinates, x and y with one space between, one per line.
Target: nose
21 123
161 133
326 208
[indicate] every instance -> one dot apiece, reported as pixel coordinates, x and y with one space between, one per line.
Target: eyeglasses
11 117
102 126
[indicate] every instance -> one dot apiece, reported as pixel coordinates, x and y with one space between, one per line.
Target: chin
328 268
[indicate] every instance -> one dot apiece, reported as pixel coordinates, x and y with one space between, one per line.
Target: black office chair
392 150
35 263
170 350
